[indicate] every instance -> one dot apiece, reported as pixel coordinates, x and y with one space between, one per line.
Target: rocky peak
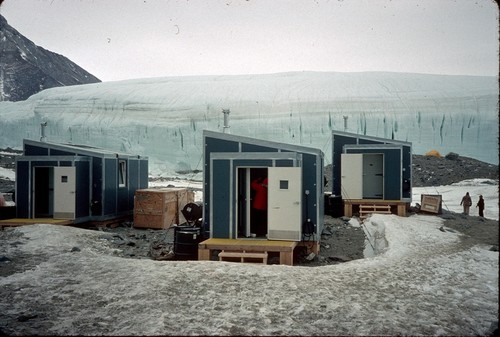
26 68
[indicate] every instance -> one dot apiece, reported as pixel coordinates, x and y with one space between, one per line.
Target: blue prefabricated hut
233 165
77 182
371 168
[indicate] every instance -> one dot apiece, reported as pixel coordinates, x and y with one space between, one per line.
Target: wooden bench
243 256
364 210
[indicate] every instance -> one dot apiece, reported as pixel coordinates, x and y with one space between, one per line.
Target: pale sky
126 39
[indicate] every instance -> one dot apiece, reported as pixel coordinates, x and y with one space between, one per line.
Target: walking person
480 205
466 202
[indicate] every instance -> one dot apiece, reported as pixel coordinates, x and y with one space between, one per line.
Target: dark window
122 173
283 184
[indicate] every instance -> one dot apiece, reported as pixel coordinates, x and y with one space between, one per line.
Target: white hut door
351 172
64 192
284 203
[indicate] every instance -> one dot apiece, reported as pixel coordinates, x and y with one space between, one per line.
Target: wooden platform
285 248
23 222
367 206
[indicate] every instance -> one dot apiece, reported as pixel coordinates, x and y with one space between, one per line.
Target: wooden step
364 210
243 256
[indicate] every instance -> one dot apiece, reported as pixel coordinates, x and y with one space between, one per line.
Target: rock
494 248
447 216
452 156
75 249
310 257
165 256
442 229
339 258
27 317
493 330
326 231
4 259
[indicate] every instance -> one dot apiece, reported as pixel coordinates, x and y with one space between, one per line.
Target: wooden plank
203 254
243 254
286 258
347 209
24 221
402 210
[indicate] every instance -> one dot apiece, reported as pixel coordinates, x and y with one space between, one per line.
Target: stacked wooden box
160 208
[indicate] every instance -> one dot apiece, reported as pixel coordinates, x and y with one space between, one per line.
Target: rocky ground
8 161
340 242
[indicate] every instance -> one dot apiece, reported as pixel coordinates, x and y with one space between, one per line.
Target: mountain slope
26 69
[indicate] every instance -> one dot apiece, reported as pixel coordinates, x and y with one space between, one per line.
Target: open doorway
43 192
373 176
252 202
54 192
362 175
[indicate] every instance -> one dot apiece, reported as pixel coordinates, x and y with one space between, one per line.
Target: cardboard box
160 208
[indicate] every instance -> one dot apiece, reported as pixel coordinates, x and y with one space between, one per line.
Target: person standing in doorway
466 203
259 205
480 205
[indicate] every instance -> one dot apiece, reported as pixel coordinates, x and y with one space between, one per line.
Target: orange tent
433 153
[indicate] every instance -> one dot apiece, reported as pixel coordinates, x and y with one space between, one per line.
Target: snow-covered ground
7 174
195 185
423 282
452 195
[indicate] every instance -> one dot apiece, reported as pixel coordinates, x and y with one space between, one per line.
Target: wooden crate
431 203
160 208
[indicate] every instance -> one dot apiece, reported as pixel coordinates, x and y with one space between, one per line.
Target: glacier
163 117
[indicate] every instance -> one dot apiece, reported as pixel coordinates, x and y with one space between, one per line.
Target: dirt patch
475 230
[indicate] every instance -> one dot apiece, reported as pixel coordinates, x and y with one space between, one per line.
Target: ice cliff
163 117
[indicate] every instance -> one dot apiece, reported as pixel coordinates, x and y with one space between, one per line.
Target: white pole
42 131
226 120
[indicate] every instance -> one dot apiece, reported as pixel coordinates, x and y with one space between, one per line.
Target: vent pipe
42 131
345 122
226 121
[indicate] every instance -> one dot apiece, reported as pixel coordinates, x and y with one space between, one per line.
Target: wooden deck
285 248
23 222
